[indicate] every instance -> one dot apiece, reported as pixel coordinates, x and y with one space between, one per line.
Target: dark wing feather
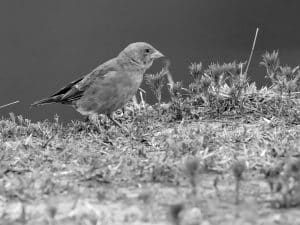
57 96
65 89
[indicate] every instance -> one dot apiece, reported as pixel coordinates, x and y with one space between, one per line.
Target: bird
109 86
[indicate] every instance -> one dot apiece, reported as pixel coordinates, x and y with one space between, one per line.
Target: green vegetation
222 151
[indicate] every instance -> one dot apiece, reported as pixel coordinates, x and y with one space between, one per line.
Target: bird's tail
45 101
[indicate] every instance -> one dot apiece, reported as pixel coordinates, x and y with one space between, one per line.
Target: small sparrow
110 86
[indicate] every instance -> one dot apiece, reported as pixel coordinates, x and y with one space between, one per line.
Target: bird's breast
129 85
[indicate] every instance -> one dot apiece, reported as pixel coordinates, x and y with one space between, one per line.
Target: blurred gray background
46 44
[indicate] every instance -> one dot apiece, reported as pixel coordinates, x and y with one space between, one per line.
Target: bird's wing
65 89
75 89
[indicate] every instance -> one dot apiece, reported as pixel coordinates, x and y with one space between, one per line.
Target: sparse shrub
224 89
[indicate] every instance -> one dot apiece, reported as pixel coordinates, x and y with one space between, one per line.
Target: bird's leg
118 124
86 119
114 121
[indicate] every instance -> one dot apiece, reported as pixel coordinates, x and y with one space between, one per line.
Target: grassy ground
226 154
83 177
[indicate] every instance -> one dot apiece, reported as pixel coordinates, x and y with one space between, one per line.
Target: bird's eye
147 50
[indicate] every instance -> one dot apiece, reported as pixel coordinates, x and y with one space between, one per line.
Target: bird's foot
117 123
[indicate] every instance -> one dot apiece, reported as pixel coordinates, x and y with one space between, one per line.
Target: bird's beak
156 54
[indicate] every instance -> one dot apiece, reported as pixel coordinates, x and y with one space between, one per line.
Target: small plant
205 83
176 90
192 168
283 180
284 78
199 88
271 62
51 210
226 81
174 213
238 169
156 83
196 71
145 197
277 183
217 75
216 183
289 79
180 106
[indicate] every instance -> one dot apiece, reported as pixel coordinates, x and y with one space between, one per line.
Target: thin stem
252 50
12 103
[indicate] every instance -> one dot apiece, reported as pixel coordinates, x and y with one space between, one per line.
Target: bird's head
141 54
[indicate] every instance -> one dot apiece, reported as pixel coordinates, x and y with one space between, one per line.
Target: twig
252 50
142 90
48 141
142 99
12 103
